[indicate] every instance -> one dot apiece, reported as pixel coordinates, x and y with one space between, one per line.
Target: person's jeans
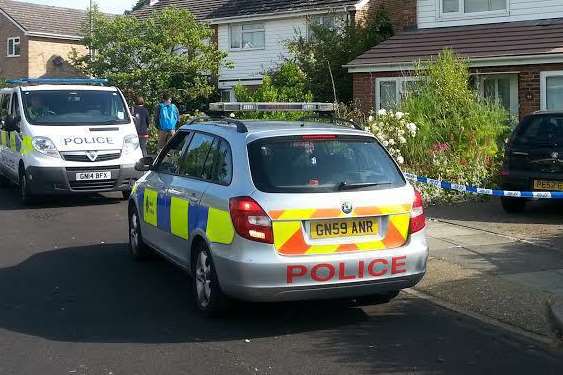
143 144
163 137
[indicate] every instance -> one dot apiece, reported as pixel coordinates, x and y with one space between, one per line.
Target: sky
110 6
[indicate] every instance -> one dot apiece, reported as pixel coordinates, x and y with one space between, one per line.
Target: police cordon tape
476 190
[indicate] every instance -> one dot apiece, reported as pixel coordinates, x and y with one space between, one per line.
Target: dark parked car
534 157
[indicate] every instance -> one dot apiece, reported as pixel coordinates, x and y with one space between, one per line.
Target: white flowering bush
394 130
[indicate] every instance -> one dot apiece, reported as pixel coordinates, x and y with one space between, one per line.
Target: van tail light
250 220
418 220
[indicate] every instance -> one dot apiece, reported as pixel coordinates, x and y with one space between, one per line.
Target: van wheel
26 196
513 205
138 249
376 299
126 194
4 181
208 297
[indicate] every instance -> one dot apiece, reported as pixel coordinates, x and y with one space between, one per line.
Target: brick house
36 40
514 47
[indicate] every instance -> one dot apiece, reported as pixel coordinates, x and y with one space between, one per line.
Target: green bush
459 134
287 83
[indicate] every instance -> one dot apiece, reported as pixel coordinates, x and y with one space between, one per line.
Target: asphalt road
72 302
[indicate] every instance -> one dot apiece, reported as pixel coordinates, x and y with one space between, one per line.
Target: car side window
193 162
220 164
172 153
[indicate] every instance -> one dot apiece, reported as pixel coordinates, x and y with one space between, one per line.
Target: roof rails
241 128
59 81
271 107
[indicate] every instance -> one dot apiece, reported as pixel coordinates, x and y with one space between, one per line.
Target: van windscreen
321 164
74 107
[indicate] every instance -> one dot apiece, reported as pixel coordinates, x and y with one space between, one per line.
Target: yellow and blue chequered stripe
180 217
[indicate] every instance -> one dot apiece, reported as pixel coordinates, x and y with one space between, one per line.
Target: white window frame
16 41
543 86
240 25
514 99
462 15
399 88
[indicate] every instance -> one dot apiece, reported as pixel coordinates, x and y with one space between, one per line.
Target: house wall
519 10
12 67
43 52
529 95
250 64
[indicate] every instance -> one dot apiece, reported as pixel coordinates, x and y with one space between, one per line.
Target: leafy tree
167 51
139 5
327 48
286 83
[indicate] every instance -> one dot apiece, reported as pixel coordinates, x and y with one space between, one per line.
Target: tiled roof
513 39
44 18
211 9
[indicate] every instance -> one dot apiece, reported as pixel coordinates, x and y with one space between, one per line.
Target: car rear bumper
524 180
59 180
260 274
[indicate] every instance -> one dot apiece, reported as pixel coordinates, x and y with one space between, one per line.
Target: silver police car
280 211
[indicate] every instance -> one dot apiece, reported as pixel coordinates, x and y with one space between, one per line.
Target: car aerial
66 135
533 158
262 210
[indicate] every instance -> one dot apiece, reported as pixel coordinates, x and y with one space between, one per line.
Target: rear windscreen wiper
346 186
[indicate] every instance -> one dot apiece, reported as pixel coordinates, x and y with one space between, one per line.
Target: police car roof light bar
271 107
59 81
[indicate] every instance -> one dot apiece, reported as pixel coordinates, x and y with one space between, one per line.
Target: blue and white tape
476 190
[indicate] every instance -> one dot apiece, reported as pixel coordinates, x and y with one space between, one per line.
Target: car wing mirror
144 164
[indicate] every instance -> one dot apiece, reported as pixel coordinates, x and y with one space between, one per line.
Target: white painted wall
519 10
249 65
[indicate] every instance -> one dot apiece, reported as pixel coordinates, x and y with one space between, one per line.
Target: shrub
459 133
287 83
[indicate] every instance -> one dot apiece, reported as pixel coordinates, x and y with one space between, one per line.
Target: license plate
92 176
548 185
344 228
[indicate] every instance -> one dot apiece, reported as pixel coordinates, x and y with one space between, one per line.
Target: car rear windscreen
540 130
317 164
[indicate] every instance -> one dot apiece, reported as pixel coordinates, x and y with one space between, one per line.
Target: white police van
66 136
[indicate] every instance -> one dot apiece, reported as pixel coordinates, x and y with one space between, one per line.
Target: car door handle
175 192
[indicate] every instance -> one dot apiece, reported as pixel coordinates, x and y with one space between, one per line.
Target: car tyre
209 299
376 299
138 249
513 205
26 196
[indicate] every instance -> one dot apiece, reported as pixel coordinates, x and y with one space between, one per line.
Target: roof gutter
477 62
53 36
285 14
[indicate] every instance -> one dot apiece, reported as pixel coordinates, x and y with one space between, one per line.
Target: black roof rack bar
241 128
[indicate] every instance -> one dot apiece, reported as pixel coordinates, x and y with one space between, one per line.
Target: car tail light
250 220
418 220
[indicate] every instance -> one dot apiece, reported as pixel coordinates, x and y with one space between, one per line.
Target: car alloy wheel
203 280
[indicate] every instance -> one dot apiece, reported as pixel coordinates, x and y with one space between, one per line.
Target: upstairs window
14 48
462 7
248 36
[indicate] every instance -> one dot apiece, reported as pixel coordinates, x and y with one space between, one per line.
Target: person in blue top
166 119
